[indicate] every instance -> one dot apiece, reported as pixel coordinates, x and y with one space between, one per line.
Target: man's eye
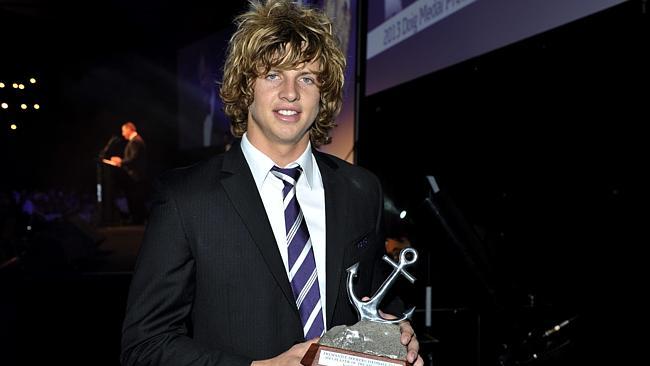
308 80
272 76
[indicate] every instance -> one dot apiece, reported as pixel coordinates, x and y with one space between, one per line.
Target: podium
109 178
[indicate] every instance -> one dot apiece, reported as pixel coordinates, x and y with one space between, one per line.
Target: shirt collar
261 164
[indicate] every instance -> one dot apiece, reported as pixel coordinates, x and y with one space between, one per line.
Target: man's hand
410 341
291 357
117 160
408 338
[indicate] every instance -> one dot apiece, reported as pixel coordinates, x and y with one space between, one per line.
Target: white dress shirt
310 195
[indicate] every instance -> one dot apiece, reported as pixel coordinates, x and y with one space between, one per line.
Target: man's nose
289 91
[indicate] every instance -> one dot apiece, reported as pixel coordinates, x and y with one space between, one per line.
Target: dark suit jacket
210 287
134 160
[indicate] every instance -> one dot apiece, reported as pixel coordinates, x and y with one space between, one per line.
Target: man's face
285 104
126 132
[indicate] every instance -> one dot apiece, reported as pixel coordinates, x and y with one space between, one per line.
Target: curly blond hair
281 34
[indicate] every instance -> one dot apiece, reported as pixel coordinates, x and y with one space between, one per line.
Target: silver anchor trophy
374 340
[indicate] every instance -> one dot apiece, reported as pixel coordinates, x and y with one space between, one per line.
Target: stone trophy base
320 355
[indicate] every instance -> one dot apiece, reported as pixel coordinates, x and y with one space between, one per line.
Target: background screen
409 38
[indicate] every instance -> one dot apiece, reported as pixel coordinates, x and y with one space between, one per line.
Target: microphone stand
109 144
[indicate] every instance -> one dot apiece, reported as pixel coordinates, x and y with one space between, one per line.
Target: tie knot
289 175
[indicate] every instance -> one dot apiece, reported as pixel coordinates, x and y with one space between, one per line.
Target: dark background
540 145
98 64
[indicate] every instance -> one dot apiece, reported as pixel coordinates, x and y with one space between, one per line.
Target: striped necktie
302 266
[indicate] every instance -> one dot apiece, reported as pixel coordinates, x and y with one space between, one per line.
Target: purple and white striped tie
302 266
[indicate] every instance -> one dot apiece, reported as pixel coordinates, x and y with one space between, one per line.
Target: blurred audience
24 212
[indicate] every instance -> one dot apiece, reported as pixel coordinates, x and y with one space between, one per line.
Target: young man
244 257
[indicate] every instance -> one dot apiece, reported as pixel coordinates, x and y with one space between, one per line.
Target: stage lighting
4 105
23 106
32 80
15 85
21 86
36 106
2 85
13 126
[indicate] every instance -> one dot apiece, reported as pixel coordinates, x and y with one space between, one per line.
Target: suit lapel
239 185
336 205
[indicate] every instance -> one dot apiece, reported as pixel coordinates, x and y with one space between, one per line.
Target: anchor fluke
353 269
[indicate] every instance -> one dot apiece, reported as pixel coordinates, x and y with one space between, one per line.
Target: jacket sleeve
132 153
161 296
